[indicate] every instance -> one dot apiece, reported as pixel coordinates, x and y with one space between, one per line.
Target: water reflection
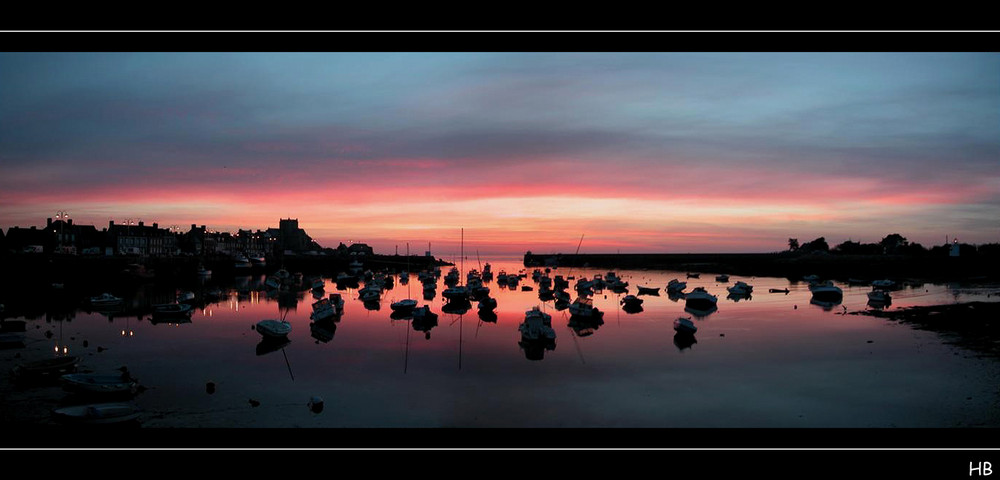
632 309
585 326
323 330
826 305
631 344
488 316
457 307
701 312
424 323
535 349
272 344
736 297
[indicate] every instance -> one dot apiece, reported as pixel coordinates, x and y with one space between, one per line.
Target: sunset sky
639 152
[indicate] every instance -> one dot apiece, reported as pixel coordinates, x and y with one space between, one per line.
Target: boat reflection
373 305
701 312
272 344
457 307
585 326
675 296
683 340
323 330
424 320
488 316
632 309
879 305
401 315
826 305
736 297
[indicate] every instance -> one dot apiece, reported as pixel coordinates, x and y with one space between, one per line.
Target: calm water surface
773 360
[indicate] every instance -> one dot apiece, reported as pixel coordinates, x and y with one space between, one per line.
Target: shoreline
971 325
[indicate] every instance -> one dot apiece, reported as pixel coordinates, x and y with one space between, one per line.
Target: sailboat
458 292
407 304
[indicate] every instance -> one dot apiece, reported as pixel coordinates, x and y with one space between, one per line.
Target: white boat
369 295
879 296
699 299
343 278
172 308
826 290
274 328
631 300
584 307
98 413
676 286
404 305
884 283
424 313
536 325
322 310
258 261
105 299
684 325
741 289
722 278
337 301
98 384
47 367
456 293
185 296
203 272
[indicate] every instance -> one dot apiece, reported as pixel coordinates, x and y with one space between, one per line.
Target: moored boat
740 289
676 286
879 296
105 299
404 305
98 413
274 328
685 325
699 299
487 304
46 367
826 291
648 290
98 384
631 300
537 325
167 309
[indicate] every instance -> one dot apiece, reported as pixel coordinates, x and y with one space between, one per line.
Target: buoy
316 404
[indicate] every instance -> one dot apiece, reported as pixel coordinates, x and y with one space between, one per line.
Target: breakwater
789 265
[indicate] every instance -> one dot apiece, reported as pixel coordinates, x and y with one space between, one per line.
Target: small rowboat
99 384
50 366
98 413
